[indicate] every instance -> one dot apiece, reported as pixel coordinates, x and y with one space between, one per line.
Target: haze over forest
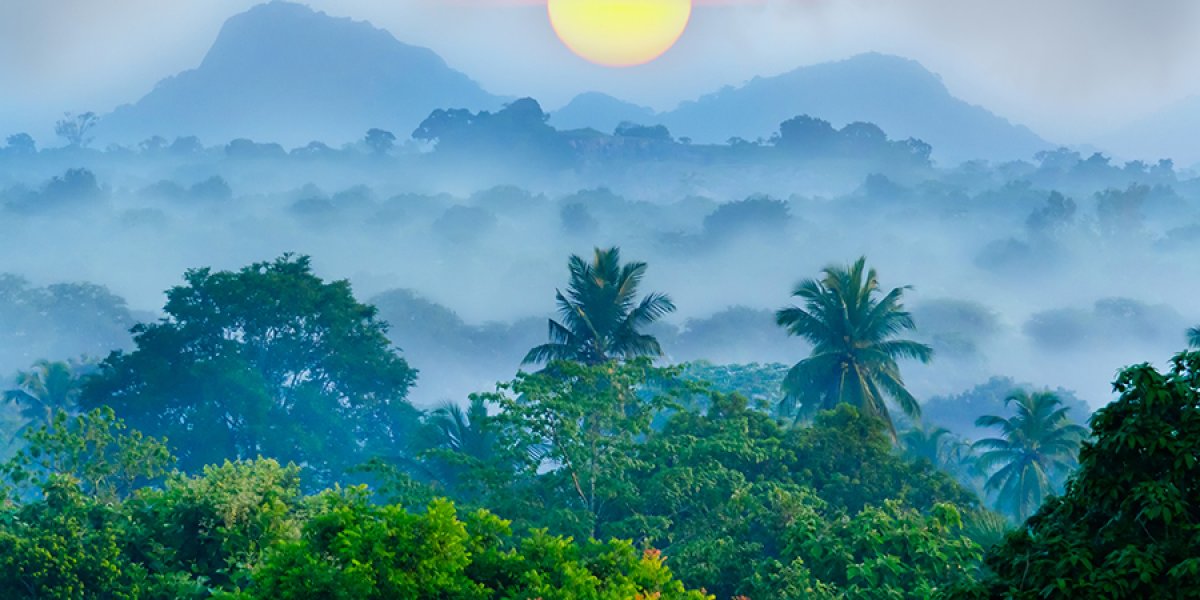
453 208
174 193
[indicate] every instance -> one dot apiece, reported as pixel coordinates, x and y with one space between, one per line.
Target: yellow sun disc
619 33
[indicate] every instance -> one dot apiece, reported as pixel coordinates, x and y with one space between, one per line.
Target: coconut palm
928 443
43 391
1037 447
1193 335
854 354
463 431
601 318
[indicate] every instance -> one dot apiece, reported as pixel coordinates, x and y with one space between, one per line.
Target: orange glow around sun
619 33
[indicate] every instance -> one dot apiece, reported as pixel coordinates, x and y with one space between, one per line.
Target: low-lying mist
1056 271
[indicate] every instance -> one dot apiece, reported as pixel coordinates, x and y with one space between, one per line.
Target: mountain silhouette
899 95
601 112
284 73
1166 133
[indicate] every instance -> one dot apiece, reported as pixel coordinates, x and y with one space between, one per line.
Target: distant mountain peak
282 64
896 93
600 111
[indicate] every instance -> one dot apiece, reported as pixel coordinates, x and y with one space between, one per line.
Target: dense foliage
269 360
513 495
244 530
1128 525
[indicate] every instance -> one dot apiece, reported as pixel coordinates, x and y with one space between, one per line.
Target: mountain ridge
280 64
283 72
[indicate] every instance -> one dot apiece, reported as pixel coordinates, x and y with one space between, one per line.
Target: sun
619 33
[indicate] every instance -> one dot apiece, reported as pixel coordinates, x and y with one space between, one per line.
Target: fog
1057 270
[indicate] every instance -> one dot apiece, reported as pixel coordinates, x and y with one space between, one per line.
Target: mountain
284 73
898 94
1167 133
601 112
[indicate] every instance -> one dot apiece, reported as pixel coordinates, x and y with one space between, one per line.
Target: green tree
353 549
94 449
888 551
854 352
1034 452
1193 336
928 443
720 491
464 451
1128 524
198 534
585 422
45 390
66 546
601 316
268 360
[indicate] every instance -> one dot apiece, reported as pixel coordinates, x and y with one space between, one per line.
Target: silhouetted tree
21 143
380 141
601 316
74 128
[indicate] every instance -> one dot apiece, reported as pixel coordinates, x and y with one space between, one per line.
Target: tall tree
601 315
1035 450
1194 337
45 390
268 360
854 352
74 128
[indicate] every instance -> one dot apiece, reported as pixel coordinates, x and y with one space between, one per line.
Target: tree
152 145
927 443
806 136
1193 336
268 360
74 128
94 450
601 316
1128 524
585 421
1036 449
380 141
21 143
854 347
464 452
353 549
46 390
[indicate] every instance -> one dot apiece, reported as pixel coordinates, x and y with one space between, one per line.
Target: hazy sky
1070 69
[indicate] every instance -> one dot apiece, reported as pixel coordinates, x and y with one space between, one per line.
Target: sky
1072 70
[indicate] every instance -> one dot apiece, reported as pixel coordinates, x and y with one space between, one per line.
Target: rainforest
320 316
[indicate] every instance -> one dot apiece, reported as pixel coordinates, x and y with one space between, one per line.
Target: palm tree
1036 448
465 432
928 443
1193 335
46 389
854 351
601 316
